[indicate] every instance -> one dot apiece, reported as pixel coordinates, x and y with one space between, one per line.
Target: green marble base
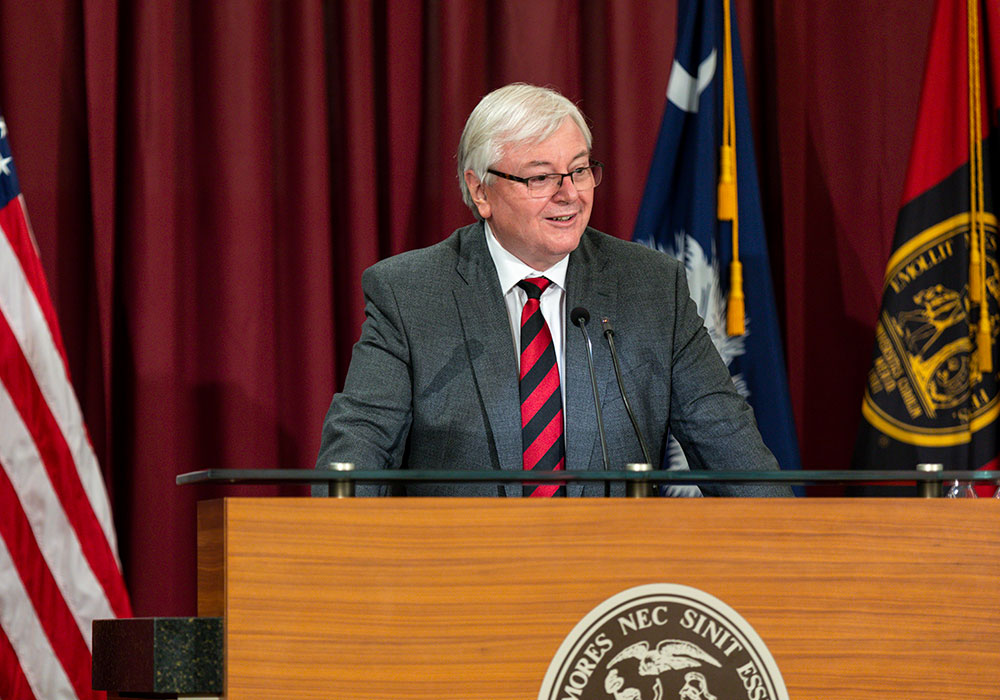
158 656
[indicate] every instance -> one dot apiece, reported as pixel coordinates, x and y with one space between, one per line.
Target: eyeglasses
539 186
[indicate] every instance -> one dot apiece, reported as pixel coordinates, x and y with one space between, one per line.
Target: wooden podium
444 599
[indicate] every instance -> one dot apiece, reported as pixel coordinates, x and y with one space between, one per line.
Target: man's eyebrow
537 163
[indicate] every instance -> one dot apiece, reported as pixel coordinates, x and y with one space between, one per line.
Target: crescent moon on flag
683 90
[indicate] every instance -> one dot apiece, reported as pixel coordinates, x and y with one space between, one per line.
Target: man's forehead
527 154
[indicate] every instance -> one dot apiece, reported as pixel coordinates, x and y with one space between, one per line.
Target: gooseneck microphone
580 316
609 333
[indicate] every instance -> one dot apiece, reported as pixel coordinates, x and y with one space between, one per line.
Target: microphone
580 316
609 333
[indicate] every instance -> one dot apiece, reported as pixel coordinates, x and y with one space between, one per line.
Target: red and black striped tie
541 399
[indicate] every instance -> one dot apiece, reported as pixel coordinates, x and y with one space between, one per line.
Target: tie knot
534 286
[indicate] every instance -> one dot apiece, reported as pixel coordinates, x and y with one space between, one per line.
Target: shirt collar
511 270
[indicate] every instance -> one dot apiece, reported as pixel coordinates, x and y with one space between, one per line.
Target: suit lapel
587 285
491 348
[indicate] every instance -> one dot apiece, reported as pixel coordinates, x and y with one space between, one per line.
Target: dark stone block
159 656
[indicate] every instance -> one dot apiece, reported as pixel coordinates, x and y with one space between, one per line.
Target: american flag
59 567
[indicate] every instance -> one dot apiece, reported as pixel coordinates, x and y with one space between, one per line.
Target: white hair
515 113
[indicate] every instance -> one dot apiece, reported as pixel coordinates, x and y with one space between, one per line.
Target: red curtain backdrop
207 180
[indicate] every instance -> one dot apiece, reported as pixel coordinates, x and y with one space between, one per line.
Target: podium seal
660 642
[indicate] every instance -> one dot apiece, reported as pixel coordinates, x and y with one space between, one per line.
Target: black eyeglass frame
562 176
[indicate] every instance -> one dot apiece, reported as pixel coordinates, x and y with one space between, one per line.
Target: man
434 380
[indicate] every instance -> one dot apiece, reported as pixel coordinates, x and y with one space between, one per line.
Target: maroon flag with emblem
932 391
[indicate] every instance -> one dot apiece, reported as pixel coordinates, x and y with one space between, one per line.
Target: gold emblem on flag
925 387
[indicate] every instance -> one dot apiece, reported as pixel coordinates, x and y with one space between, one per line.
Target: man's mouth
566 217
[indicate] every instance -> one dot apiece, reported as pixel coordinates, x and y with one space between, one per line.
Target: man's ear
478 192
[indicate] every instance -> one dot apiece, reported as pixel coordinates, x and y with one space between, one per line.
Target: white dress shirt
511 270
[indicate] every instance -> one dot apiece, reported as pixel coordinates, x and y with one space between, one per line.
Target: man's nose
567 191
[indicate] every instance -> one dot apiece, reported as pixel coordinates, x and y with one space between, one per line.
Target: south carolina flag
705 148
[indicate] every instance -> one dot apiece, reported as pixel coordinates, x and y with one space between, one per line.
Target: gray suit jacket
433 379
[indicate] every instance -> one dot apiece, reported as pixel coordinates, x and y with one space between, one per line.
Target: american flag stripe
13 683
50 528
14 217
42 432
25 303
59 567
40 593
30 652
